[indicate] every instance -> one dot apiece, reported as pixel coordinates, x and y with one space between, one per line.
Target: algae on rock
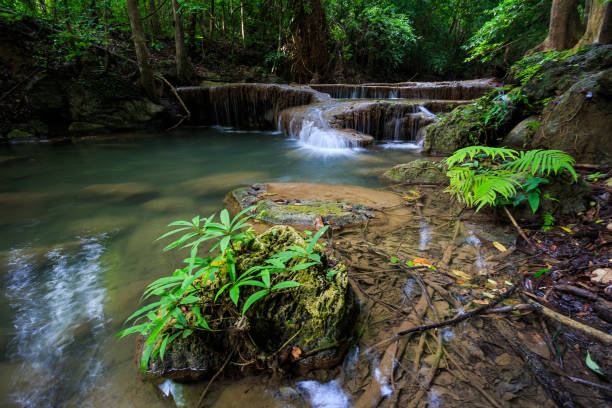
418 171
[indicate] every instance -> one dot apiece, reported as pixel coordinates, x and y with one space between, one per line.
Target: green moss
322 209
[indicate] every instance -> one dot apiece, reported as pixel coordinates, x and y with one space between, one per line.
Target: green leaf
592 364
285 285
167 340
265 277
146 354
394 259
187 333
235 294
224 243
534 200
540 272
145 309
141 328
225 219
172 232
330 274
253 298
302 266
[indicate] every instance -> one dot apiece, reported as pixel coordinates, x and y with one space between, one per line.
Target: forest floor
488 352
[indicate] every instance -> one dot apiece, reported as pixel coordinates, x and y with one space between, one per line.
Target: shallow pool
78 224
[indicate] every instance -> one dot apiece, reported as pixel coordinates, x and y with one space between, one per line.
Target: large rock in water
296 329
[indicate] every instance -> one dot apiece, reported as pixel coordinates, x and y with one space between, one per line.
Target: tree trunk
154 19
212 18
142 53
184 72
564 27
242 21
309 30
599 25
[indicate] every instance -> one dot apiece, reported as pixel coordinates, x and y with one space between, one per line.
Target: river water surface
77 230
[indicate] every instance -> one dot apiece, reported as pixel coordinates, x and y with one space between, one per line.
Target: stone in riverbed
221 182
315 318
300 211
418 171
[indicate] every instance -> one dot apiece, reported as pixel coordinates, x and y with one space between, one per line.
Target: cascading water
319 120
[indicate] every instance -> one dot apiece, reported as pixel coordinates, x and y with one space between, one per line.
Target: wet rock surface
300 211
418 171
294 330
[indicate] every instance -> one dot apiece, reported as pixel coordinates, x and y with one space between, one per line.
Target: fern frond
488 188
471 151
543 162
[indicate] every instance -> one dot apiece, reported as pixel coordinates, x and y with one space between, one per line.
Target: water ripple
57 300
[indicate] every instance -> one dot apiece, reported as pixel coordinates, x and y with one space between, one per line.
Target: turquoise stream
74 257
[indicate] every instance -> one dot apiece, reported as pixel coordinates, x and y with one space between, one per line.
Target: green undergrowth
219 287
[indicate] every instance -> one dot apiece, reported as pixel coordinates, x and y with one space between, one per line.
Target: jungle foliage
366 39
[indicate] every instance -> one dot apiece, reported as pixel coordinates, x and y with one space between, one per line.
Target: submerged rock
119 191
300 211
297 329
418 171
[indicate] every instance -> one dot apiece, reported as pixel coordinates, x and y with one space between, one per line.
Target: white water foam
328 395
56 299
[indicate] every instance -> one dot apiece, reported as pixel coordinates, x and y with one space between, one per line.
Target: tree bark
142 53
184 72
309 30
564 28
212 18
242 21
599 24
155 25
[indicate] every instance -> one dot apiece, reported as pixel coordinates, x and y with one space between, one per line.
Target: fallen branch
597 334
462 317
213 379
520 230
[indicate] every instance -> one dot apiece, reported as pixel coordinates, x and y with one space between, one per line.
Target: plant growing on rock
187 297
481 175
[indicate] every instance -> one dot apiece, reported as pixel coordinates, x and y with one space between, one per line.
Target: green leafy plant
187 297
481 175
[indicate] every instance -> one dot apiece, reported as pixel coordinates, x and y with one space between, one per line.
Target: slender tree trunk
142 53
154 20
223 19
242 21
564 27
184 72
212 18
599 25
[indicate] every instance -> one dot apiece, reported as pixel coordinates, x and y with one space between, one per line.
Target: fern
499 180
543 162
473 151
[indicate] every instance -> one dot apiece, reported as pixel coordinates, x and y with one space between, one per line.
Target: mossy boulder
578 121
290 330
557 75
521 135
483 122
418 171
300 212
